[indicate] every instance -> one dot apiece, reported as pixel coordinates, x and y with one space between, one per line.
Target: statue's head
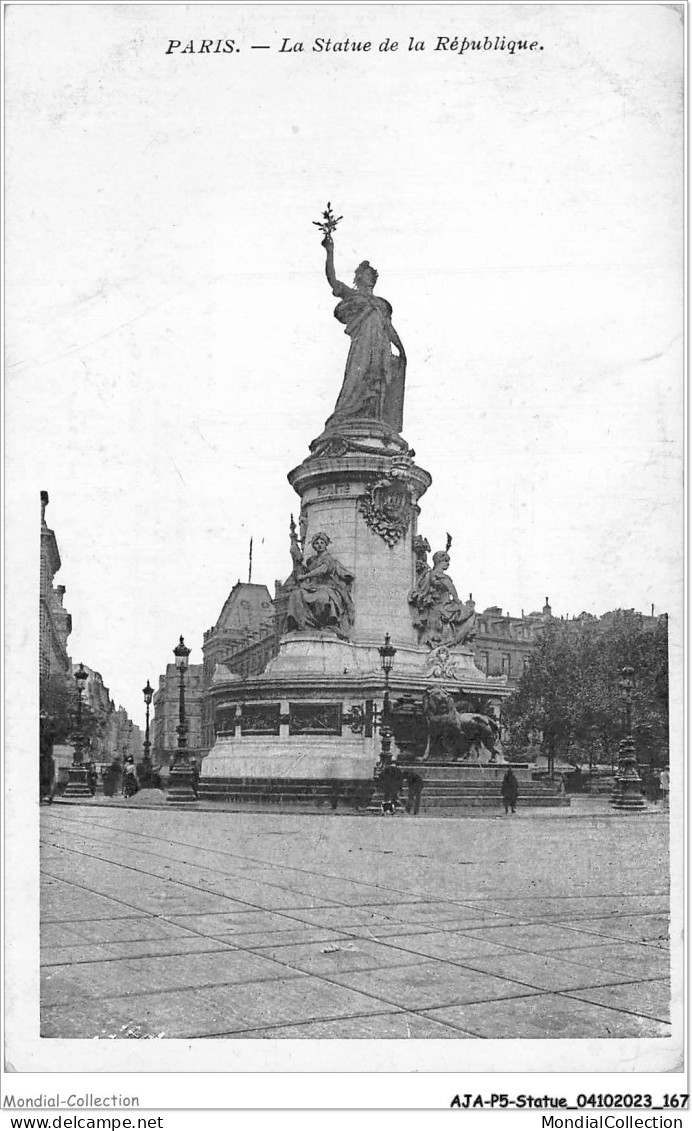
441 558
438 699
365 276
320 541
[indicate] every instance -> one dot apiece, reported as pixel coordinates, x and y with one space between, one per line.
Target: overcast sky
171 345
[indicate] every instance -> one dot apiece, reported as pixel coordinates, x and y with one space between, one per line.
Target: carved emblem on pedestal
387 506
441 664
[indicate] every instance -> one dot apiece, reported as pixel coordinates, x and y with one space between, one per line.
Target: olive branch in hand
328 222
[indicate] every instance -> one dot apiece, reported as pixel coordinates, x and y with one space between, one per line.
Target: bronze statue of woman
320 593
441 618
374 379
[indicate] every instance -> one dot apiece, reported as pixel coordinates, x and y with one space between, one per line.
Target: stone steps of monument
367 795
478 800
489 771
471 787
276 791
324 789
491 800
430 800
483 784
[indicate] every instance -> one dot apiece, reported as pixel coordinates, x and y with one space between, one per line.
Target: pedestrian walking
415 788
391 784
510 791
665 785
195 776
130 780
92 777
652 787
46 769
111 778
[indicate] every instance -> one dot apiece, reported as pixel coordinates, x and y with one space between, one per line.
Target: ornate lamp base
78 783
627 795
180 785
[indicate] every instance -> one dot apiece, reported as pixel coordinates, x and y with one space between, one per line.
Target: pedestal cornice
322 470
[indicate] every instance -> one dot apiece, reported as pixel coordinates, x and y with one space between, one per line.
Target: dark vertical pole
147 743
181 781
627 795
182 723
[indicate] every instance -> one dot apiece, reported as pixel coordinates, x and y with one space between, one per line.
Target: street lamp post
627 794
593 740
148 693
180 786
387 654
78 782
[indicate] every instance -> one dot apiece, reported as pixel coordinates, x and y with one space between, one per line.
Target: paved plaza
160 923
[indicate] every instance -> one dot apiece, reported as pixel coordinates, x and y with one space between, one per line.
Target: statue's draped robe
323 601
441 617
374 378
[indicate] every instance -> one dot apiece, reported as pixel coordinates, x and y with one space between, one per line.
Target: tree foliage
570 694
59 702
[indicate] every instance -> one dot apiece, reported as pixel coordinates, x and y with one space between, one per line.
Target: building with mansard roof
115 734
246 624
55 623
504 643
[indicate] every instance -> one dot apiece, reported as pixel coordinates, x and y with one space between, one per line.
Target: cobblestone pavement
160 923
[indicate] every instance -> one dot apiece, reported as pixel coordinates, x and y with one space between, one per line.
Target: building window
484 661
506 663
484 627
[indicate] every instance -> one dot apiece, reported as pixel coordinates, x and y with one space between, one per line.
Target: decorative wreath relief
387 508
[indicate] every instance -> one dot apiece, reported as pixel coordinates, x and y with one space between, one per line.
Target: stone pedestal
181 780
78 782
361 487
627 795
313 712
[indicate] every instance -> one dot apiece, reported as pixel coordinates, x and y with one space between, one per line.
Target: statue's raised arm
338 288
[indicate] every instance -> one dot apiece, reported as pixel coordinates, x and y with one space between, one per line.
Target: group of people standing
657 786
119 778
393 778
